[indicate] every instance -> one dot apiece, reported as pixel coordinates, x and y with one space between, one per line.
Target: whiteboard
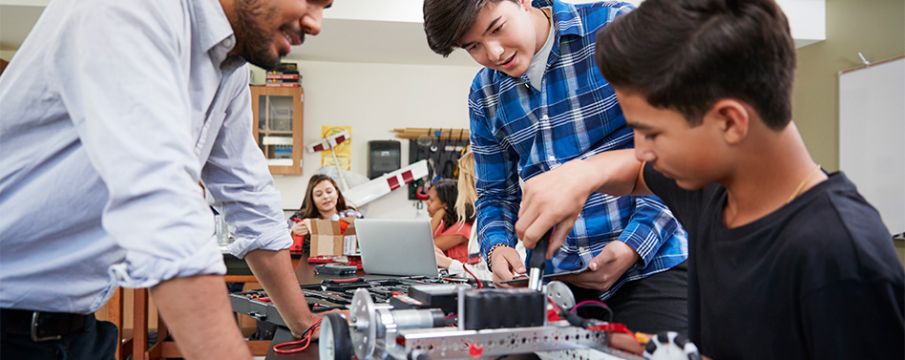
872 136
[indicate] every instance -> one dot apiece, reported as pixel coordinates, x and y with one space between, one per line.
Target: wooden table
304 271
164 348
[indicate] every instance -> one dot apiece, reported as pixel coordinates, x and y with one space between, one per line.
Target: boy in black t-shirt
786 261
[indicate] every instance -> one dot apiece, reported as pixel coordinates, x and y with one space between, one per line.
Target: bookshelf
277 127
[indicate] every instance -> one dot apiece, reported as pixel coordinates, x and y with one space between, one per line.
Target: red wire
291 347
585 302
480 284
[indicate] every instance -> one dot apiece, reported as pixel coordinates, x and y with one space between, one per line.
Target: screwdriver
536 263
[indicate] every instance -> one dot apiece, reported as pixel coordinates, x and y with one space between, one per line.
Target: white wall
7 54
374 99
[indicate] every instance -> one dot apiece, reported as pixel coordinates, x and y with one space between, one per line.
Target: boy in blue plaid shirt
539 103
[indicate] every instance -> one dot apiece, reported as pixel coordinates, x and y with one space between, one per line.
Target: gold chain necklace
803 182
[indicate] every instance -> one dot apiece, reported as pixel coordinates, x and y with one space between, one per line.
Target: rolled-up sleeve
119 70
237 176
650 227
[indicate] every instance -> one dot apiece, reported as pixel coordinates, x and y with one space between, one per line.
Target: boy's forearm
197 312
274 271
617 172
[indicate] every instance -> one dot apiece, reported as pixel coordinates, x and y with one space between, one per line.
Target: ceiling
384 31
341 40
374 42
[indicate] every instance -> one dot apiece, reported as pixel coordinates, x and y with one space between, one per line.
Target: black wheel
335 342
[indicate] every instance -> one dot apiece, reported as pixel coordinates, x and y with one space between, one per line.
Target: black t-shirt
815 279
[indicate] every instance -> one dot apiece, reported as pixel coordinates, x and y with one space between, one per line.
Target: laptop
396 247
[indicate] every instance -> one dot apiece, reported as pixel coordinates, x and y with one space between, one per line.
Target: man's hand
307 321
505 263
318 317
554 198
273 269
605 268
301 228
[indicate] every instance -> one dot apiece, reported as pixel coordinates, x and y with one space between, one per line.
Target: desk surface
304 271
306 276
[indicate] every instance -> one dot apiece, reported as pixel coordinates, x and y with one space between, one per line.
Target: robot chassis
380 331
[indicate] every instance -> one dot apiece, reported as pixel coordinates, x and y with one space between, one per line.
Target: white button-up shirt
110 114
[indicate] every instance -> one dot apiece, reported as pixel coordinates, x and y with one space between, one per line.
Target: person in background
465 200
323 200
451 230
538 103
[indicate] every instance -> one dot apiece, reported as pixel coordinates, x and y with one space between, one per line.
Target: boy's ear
733 119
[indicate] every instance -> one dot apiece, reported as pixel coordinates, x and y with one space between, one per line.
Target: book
283 85
271 76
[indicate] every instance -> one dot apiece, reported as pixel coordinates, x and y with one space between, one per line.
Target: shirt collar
566 22
212 31
538 64
565 17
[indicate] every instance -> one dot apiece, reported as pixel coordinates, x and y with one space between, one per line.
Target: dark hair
687 54
446 21
309 209
447 192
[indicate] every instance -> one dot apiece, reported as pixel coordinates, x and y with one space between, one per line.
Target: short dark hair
447 21
687 54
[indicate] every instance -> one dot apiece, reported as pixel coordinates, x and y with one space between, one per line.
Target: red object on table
320 259
297 240
343 225
351 260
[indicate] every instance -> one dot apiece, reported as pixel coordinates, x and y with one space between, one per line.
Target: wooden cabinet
278 127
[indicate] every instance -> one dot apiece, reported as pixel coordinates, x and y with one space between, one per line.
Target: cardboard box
328 239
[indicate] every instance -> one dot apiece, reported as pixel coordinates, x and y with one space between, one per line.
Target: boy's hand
605 268
505 263
554 198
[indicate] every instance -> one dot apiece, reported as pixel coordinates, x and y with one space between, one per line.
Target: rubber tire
342 341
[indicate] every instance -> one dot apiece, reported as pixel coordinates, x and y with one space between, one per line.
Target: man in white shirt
113 111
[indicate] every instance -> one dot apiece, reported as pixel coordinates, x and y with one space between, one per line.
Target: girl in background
464 205
451 232
323 200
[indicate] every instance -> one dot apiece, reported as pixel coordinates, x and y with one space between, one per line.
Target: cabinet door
278 127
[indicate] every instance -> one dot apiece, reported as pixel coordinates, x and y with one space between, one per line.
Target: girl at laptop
323 200
451 233
464 206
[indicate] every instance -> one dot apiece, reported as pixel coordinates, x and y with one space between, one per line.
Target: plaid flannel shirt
520 132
